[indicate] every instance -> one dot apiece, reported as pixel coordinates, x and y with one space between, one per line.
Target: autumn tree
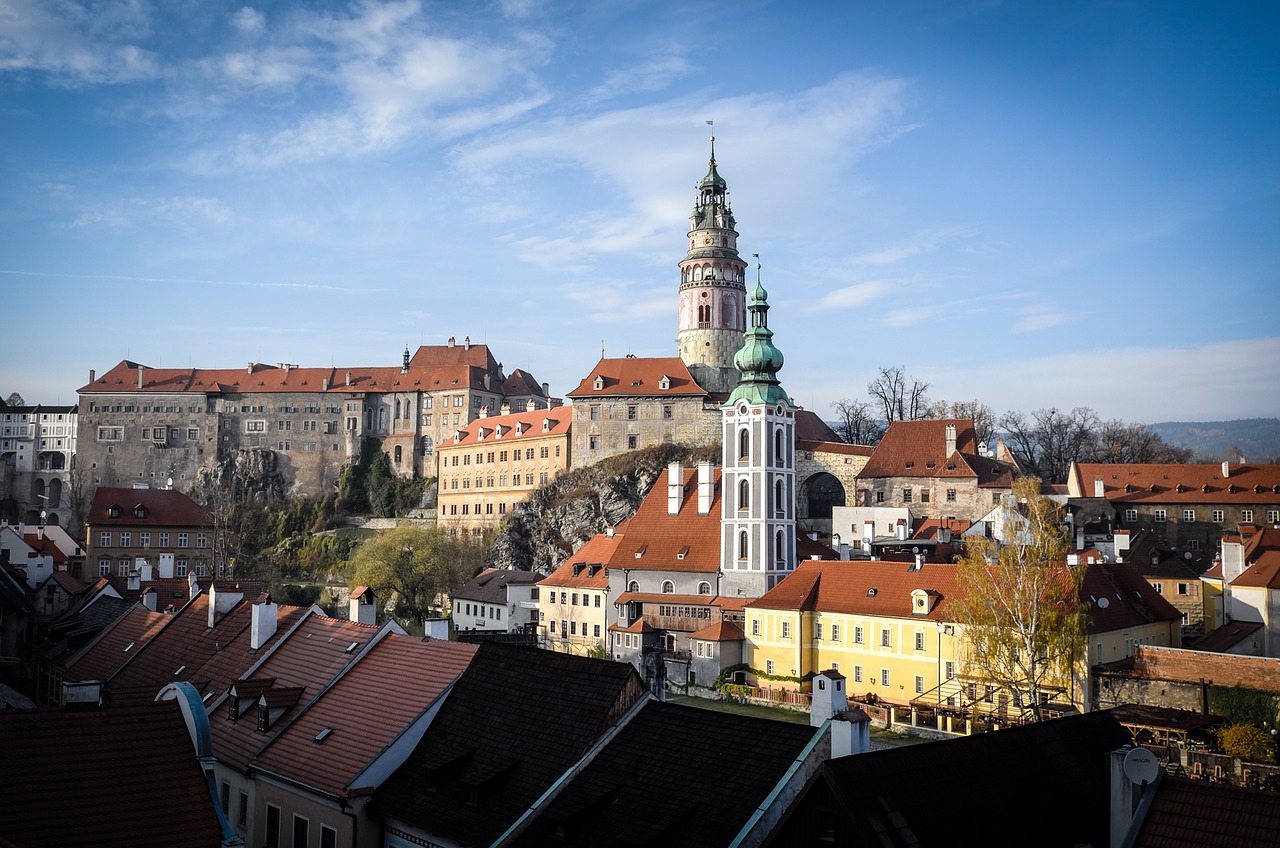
856 422
1022 622
411 565
899 396
1246 742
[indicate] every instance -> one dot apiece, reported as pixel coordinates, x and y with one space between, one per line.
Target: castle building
296 426
37 453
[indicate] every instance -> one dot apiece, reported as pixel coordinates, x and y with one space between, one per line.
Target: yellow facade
572 619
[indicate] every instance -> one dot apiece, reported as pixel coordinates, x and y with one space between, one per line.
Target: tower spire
759 360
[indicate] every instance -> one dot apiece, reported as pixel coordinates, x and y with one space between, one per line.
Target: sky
1032 205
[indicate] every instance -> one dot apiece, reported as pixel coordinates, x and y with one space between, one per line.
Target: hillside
1257 438
560 517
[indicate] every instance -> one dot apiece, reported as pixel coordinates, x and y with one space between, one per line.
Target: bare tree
856 424
1050 440
77 495
899 396
15 399
1122 441
984 417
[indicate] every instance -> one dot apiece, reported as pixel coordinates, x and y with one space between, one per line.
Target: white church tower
713 290
758 526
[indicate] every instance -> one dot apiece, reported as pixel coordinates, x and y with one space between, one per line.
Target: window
631 412
596 602
884 637
906 495
1184 588
1193 544
744 444
272 836
225 795
924 496
919 641
817 630
328 837
457 401
180 568
300 828
666 411
1188 515
768 666
633 442
879 497
1217 516
104 568
122 568
164 540
857 674
857 634
182 540
144 540
104 539
1273 516
742 545
884 677
126 538
950 669
744 495
553 625
201 540
835 633
1246 516
255 426
242 814
919 685
704 588
1158 515
755 627
1159 587
786 630
1130 515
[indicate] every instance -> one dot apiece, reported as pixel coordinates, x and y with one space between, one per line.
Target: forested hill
1257 438
563 515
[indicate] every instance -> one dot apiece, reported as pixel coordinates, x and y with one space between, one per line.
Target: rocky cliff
563 515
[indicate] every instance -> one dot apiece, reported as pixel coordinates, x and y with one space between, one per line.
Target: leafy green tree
1022 622
412 565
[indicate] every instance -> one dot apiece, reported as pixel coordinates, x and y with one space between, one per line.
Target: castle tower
712 288
758 522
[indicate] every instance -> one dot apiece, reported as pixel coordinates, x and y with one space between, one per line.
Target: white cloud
915 245
249 21
858 294
77 44
654 75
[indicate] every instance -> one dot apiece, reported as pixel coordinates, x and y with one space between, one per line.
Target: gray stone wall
612 425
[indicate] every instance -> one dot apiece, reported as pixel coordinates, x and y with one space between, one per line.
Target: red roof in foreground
119 778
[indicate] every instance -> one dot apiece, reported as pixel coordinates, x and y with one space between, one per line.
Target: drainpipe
349 813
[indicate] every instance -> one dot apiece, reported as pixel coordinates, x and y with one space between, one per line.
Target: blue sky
1030 204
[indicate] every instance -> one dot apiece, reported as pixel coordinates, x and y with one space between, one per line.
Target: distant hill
1258 438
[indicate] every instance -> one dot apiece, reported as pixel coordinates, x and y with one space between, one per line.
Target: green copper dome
758 360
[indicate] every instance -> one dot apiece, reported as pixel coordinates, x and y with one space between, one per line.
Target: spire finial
712 124
757 258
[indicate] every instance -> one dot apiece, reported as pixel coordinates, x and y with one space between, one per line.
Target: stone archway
818 494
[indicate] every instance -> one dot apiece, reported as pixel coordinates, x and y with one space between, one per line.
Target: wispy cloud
858 294
915 245
77 44
654 75
117 214
126 278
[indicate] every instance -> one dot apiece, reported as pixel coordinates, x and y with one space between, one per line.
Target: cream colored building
573 601
497 461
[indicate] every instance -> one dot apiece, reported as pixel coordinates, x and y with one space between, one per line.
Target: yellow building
887 627
573 600
498 460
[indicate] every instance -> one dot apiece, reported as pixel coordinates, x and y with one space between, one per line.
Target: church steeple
712 287
759 361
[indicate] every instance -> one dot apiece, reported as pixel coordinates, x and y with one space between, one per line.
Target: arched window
744 495
398 452
633 586
397 407
744 444
778 457
778 505
697 273
779 540
704 315
704 588
742 544
668 588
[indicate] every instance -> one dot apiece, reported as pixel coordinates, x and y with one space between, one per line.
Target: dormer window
664 383
264 717
113 511
599 384
546 425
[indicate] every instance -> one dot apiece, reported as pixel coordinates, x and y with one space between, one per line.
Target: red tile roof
395 680
598 550
686 541
656 598
721 631
120 778
918 449
1195 813
1131 600
1174 483
633 376
516 426
1227 636
104 656
163 508
1261 553
862 588
811 428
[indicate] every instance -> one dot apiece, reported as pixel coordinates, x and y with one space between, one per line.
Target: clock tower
713 293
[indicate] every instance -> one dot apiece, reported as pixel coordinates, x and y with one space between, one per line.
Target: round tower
713 292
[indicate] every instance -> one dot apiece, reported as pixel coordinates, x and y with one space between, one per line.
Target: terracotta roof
521 382
104 656
811 428
1130 600
637 626
834 447
655 598
918 449
441 356
721 631
1226 637
1261 553
638 377
1187 813
515 721
686 541
396 680
490 585
598 550
874 588
627 794
120 778
503 429
162 508
1178 483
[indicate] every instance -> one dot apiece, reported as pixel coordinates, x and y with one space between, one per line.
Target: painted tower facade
758 527
712 288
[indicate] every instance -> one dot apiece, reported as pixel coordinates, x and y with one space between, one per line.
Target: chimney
466 343
324 384
144 569
546 390
530 405
220 603
451 341
706 488
1099 488
868 533
505 409
850 729
248 369
166 566
348 378
361 607
900 530
1122 544
263 623
149 599
93 375
1131 774
1226 469
609 532
675 487
1232 558
951 439
142 376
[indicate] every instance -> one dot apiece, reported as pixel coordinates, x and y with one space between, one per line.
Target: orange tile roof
104 656
598 550
1131 600
1262 554
721 631
634 376
846 587
515 426
396 680
658 598
918 449
1173 483
686 541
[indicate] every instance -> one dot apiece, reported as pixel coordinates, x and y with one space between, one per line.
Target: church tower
758 522
712 288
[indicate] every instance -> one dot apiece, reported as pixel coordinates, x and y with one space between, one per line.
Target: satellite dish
1141 766
1187 555
1103 603
915 549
